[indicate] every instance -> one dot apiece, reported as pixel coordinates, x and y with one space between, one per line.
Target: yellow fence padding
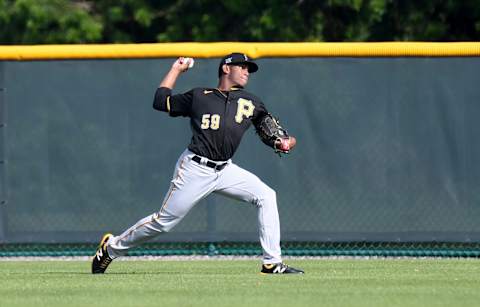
254 50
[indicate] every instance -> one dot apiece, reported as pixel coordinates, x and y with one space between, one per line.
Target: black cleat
280 268
102 259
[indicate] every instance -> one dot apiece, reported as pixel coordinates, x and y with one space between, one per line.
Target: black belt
210 164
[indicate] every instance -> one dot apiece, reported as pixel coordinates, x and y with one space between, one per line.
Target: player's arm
271 133
164 101
179 66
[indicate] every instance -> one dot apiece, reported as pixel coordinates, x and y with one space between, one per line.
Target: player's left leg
190 183
240 184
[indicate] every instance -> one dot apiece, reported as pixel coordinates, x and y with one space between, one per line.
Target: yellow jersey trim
253 50
168 104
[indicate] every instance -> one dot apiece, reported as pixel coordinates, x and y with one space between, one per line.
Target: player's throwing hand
182 64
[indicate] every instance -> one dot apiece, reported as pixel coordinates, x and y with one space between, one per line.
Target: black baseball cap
235 59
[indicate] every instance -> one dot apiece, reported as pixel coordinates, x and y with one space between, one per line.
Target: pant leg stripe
172 187
170 192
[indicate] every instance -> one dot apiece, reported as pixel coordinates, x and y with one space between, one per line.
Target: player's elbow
161 100
157 105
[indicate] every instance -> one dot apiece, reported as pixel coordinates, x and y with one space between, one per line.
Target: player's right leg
189 185
240 184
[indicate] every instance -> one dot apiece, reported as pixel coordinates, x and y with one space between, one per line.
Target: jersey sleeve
175 105
259 113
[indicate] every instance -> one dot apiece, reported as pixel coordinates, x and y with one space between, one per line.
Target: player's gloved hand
273 135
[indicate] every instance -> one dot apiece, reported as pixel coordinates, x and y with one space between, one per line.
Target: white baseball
190 62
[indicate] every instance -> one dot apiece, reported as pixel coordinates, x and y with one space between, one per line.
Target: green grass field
327 282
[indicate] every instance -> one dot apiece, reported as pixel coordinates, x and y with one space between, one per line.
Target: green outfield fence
313 249
387 162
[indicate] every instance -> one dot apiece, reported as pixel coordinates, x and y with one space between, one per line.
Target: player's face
239 74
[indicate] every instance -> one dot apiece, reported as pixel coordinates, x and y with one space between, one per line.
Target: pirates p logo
245 109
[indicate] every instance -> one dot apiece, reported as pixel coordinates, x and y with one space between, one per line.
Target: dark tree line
148 21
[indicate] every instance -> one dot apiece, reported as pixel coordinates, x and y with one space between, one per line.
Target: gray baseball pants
191 183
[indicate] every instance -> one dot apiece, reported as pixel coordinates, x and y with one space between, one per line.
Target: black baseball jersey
218 119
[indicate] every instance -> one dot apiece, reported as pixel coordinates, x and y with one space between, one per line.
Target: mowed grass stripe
338 282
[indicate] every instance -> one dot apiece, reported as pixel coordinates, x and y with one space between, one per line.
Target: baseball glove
272 134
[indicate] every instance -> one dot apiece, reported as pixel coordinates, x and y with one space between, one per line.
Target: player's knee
164 224
272 194
268 195
166 227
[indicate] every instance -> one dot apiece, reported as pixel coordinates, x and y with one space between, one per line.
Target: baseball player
218 117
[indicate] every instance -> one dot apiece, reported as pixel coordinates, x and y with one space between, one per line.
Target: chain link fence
387 154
